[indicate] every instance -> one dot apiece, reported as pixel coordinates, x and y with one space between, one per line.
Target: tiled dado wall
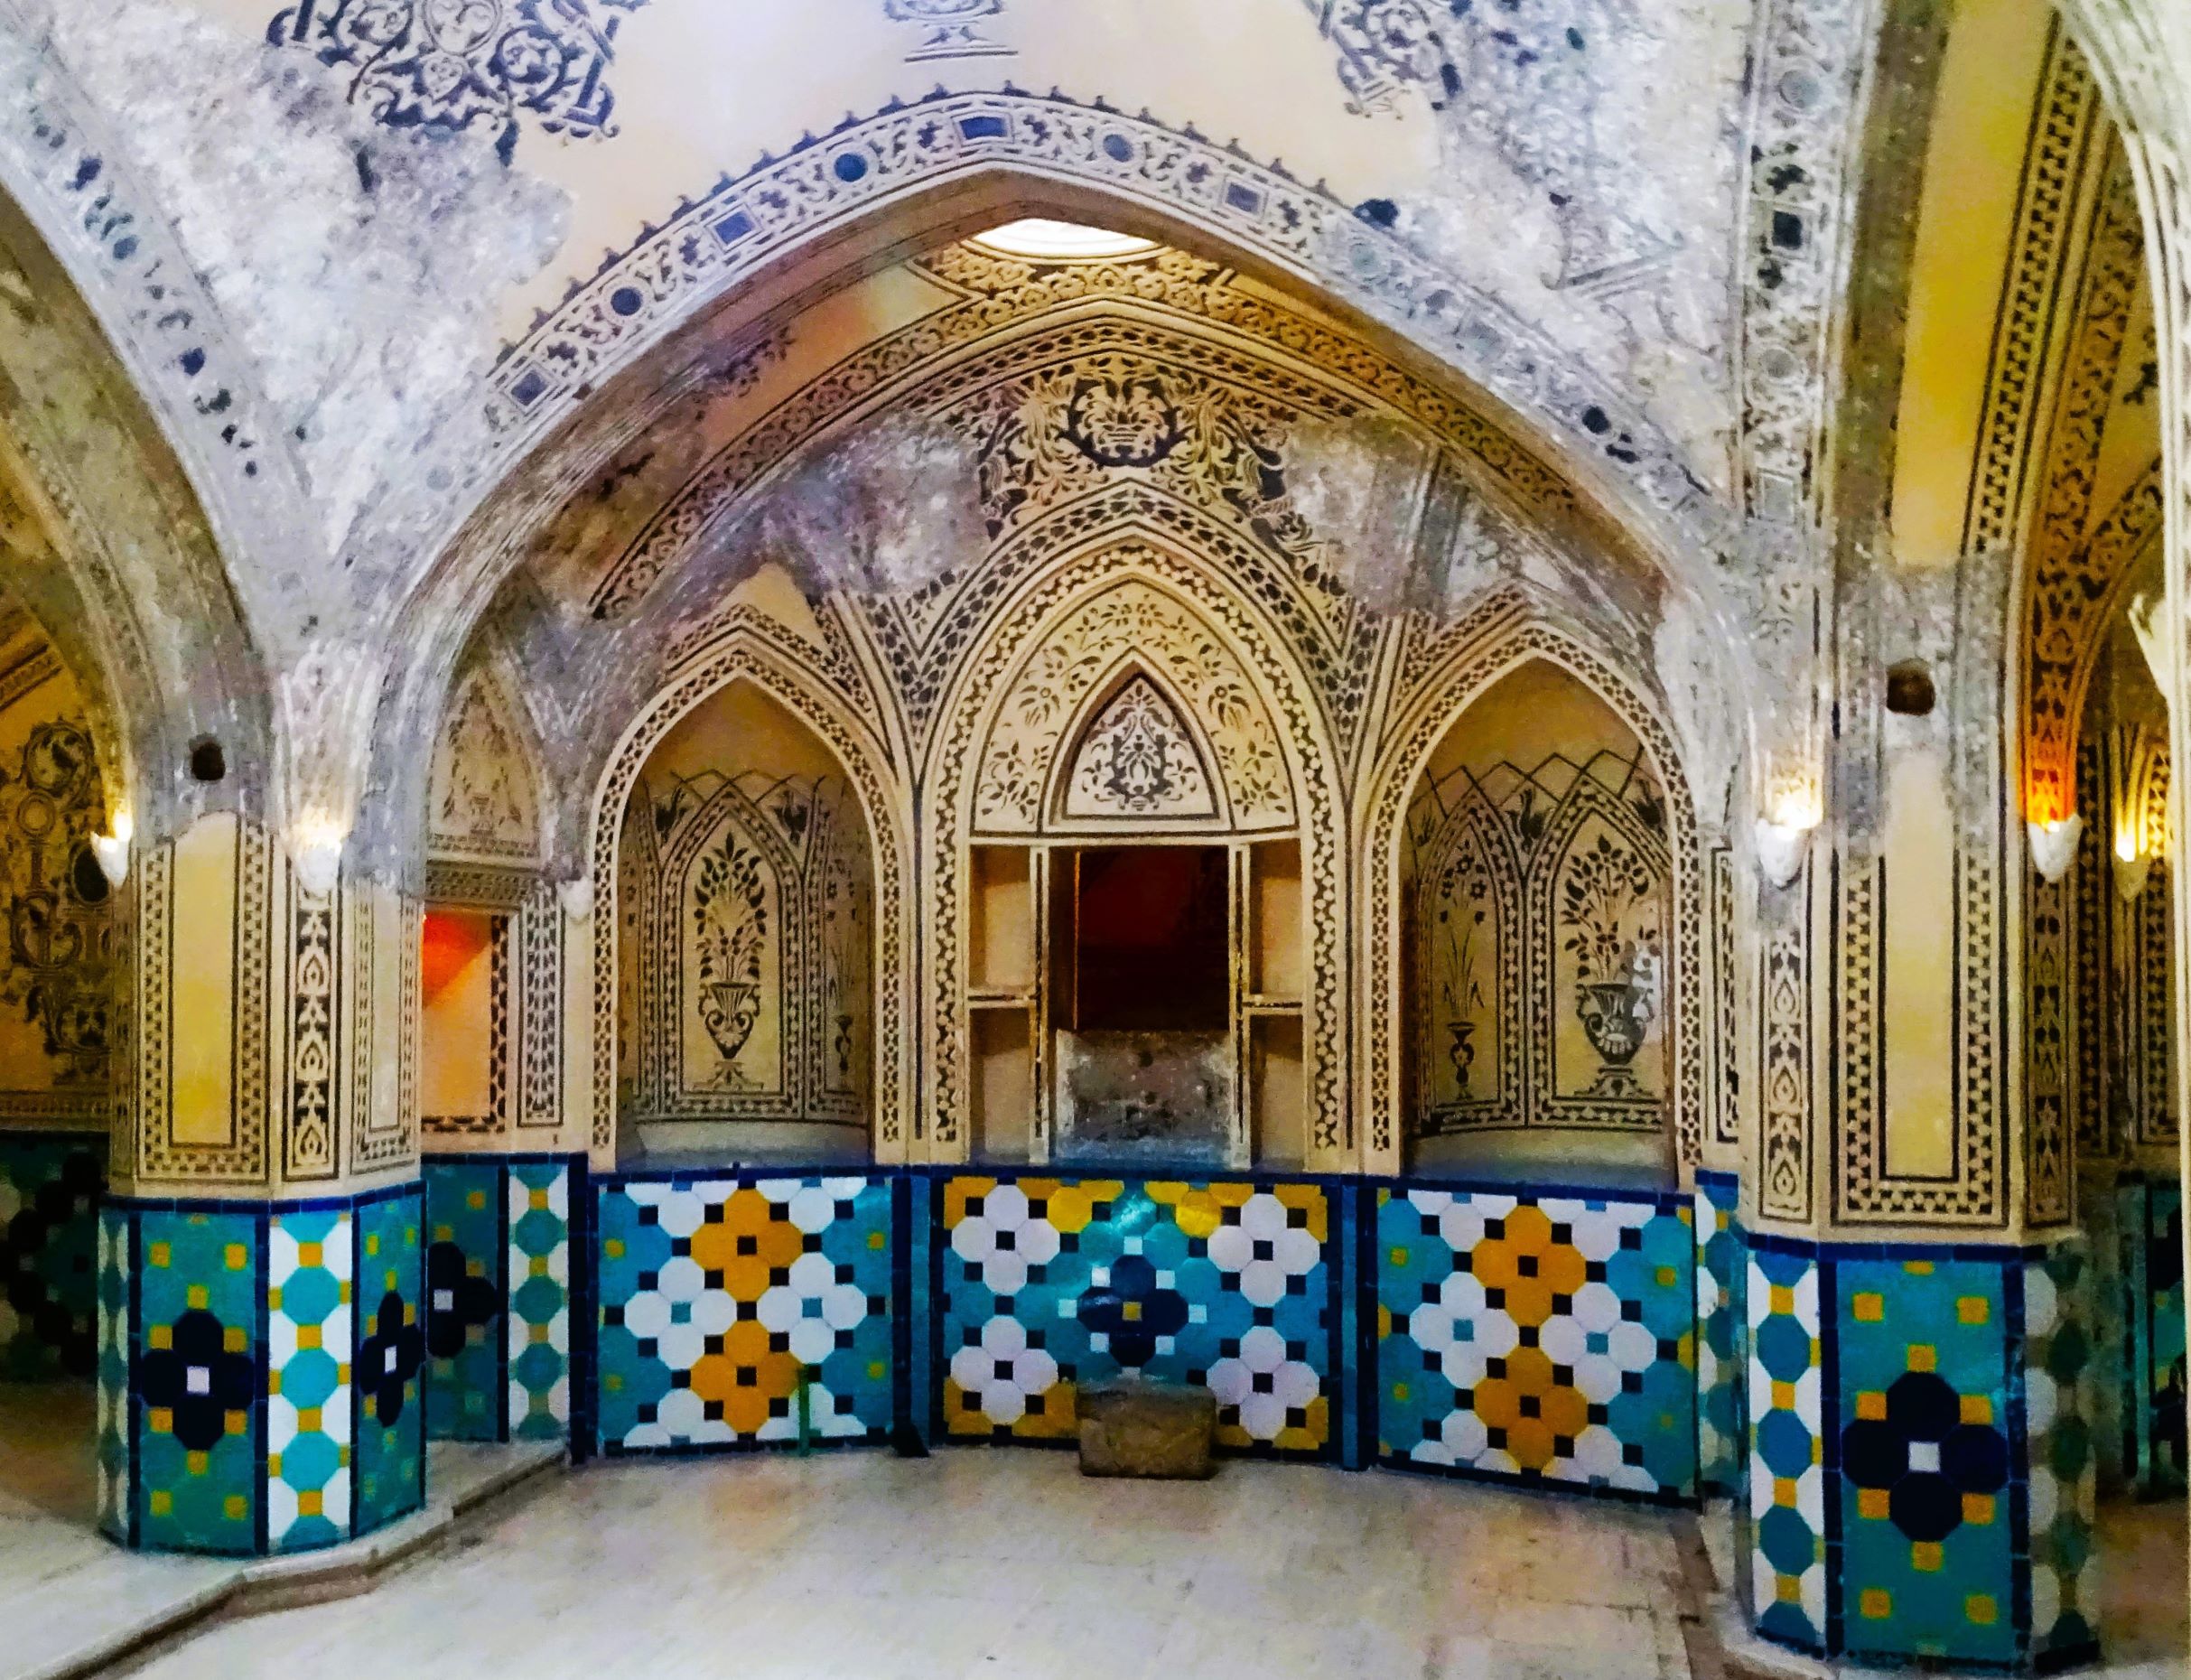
2143 1314
260 1371
498 1296
1331 1319
1921 1453
49 1187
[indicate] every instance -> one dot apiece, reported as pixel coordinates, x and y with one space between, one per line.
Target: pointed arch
1055 569
1489 645
1135 753
885 805
484 788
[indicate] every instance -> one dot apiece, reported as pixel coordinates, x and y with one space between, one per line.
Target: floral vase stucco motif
729 1010
1615 1014
1461 1053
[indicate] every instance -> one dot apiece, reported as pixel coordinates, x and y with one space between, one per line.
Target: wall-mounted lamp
2131 869
577 897
1784 834
2053 846
316 853
112 850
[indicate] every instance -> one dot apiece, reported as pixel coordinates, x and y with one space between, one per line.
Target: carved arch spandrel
885 803
1134 554
1481 649
484 789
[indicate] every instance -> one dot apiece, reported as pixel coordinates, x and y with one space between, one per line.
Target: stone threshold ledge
109 1615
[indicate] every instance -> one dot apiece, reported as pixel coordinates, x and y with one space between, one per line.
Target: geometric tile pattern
466 1260
538 1270
389 1365
50 1186
197 1387
2152 1312
1720 1271
310 1257
113 1374
1539 1338
259 1371
740 1311
2061 1394
1787 1479
1050 1282
1925 1459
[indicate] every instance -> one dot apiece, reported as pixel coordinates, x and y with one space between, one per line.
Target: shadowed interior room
1402 768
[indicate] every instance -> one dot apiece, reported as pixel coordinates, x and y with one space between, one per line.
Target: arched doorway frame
742 656
1490 644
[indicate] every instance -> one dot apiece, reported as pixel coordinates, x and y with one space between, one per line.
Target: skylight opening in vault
1037 240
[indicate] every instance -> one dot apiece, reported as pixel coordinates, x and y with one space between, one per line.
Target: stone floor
70 1597
2145 1615
861 1567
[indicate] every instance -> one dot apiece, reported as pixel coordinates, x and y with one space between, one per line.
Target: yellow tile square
160 1421
308 1421
235 1257
372 1243
1978 1509
1922 1356
538 1267
310 1254
162 1502
1977 1409
1871 1404
1788 1589
1784 1491
156 1253
231 1339
1972 1309
444 1233
874 1240
274 1301
1868 1306
1980 1609
273 1382
1925 1556
540 1202
160 1336
1875 1604
1918 1268
539 1334
274 1466
1784 1396
1780 1300
1666 1277
199 1297
476 1200
1872 1504
236 1423
309 1502
195 1463
614 1248
308 1335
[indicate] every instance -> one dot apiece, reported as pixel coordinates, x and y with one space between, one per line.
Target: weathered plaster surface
362 265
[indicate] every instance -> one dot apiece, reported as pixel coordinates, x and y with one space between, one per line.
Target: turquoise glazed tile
1787 1428
2061 1390
113 1404
2163 1282
735 1312
197 1381
1719 1372
1051 1283
539 1300
49 1187
388 1369
310 1315
1547 1339
466 1261
1925 1453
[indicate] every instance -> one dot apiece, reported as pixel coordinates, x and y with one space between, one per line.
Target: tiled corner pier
1905 1431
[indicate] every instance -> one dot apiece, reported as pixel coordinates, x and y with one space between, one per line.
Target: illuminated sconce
2131 869
2053 846
316 853
1783 835
577 897
112 850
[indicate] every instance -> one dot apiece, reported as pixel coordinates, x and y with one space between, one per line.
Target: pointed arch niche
1130 829
1537 896
746 927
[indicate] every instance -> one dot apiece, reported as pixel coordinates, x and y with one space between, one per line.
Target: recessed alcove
1536 872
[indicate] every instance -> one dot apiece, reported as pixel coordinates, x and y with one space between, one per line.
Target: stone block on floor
1155 1430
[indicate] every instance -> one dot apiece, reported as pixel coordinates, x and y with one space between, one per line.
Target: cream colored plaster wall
1982 118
